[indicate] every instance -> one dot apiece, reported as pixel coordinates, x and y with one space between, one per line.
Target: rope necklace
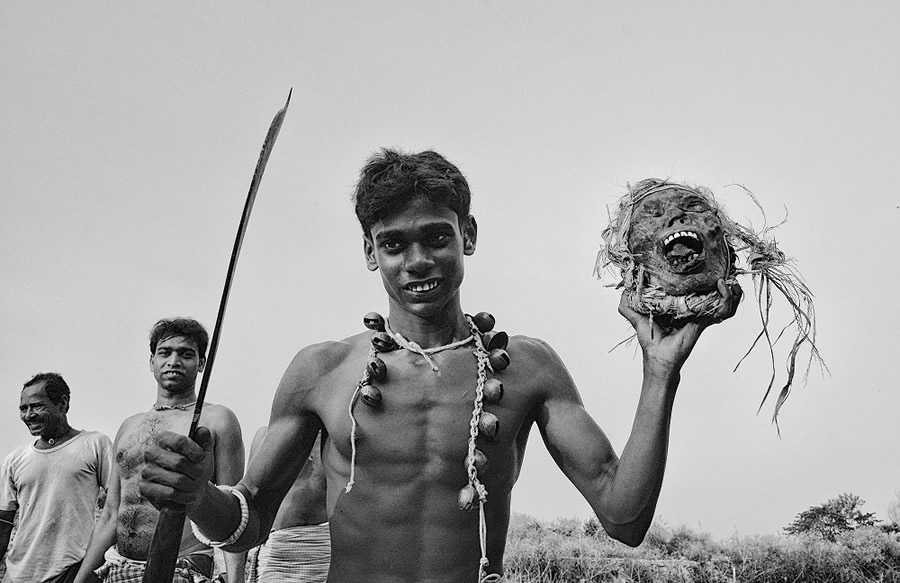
173 407
490 353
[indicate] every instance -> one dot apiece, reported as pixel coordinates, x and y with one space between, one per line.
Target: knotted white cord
425 352
359 385
484 363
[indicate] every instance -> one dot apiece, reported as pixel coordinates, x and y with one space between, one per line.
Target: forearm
103 537
218 516
635 486
234 566
7 518
4 540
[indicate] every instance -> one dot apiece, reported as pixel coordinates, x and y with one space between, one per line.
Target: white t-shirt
55 491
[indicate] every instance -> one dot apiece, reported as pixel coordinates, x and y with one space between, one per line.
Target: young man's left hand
666 349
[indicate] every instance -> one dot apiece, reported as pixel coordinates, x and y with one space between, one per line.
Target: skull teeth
674 236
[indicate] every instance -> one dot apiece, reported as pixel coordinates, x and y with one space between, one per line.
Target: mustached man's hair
390 180
172 327
54 385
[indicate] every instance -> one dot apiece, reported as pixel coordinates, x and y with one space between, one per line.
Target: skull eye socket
651 209
697 207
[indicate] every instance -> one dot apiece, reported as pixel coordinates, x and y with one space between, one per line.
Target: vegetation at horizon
834 542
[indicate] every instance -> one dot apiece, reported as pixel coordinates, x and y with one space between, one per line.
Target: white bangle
245 517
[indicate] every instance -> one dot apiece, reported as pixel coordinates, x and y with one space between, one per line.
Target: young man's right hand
177 469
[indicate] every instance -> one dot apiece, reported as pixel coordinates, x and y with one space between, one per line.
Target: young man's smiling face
420 251
176 363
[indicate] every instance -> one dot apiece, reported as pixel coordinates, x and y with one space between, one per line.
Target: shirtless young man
298 548
401 521
121 538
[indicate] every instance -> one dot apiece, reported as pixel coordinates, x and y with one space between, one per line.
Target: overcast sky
129 133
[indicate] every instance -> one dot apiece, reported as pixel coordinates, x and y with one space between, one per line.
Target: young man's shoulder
322 357
530 351
219 415
535 364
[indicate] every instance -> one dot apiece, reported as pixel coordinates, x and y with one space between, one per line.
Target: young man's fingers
737 294
203 438
183 445
731 294
162 494
633 317
160 462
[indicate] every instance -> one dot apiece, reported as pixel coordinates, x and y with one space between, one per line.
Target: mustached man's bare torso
136 516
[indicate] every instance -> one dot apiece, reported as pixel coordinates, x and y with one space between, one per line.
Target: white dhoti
300 554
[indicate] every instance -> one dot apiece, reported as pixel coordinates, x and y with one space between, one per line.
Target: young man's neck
444 328
167 399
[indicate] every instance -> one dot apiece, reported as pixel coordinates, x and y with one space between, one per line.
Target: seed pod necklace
490 353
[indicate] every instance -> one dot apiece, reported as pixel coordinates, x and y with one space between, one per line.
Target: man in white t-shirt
53 484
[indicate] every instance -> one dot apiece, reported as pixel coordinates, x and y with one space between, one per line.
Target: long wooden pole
167 537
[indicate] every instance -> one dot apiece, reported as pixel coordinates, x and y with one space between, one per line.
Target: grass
580 552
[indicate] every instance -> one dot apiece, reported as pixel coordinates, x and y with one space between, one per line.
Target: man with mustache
121 540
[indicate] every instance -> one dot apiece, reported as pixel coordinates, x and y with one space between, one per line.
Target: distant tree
828 520
893 509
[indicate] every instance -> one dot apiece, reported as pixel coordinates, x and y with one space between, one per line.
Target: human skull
676 235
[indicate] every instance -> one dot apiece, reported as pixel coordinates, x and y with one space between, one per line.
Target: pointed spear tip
290 92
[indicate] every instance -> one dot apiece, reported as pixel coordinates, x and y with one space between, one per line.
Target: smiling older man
65 468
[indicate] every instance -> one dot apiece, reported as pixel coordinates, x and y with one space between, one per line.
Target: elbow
631 539
629 534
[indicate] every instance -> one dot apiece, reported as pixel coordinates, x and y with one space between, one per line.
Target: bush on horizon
569 550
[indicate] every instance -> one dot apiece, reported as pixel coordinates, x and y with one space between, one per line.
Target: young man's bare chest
421 429
141 433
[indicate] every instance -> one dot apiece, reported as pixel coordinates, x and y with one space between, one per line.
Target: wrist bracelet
245 517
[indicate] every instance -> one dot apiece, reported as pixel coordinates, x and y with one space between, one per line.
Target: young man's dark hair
172 327
391 179
54 385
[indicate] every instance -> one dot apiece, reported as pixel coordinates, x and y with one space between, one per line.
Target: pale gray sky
129 132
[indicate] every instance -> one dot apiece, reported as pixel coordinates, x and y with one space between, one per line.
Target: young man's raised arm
623 491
